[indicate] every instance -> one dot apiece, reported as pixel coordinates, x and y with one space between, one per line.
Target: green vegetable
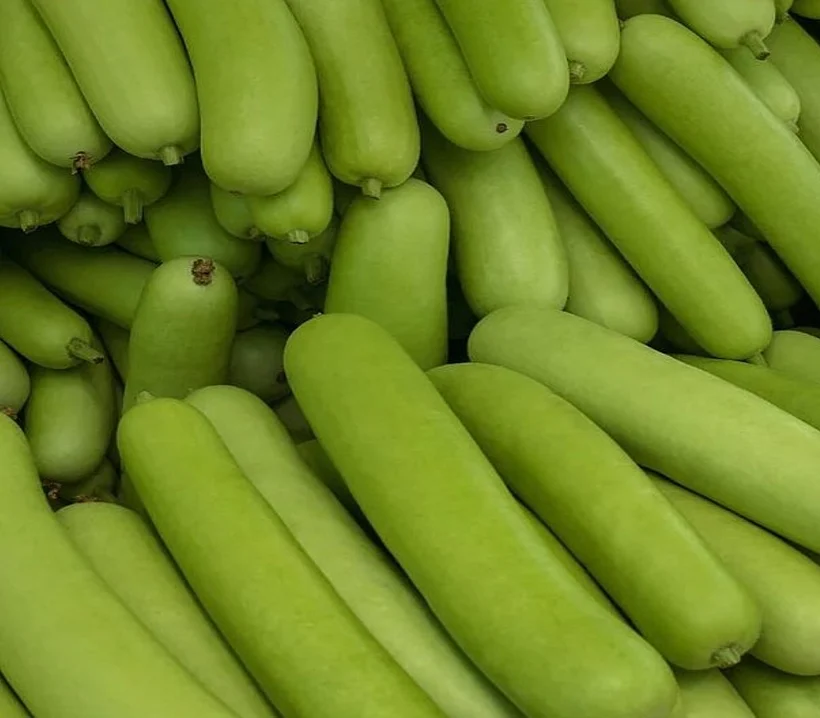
48 108
362 575
796 354
134 75
603 287
136 240
183 329
92 222
514 54
782 8
98 486
69 420
256 362
629 8
445 515
631 540
807 8
14 382
505 240
250 312
128 182
9 703
319 462
183 224
38 325
48 654
590 35
312 258
707 108
233 212
625 193
127 556
115 339
293 418
367 121
390 266
282 617
276 283
441 79
730 23
772 694
106 282
257 91
707 694
698 430
705 197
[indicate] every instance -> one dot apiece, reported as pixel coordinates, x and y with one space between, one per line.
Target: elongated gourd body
126 554
506 243
48 107
668 416
400 284
441 79
530 628
9 704
257 91
305 647
359 571
91 222
15 384
626 194
182 331
233 212
707 108
136 240
794 353
105 282
134 75
605 510
514 53
807 8
590 35
603 287
629 8
367 122
52 582
708 694
773 694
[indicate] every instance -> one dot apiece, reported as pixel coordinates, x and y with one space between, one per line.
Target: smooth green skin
317 460
505 239
303 210
670 330
768 84
233 212
709 110
15 384
603 287
783 582
782 8
773 282
807 8
35 323
135 76
629 8
441 80
796 354
183 331
273 282
798 397
32 192
91 222
283 618
136 240
98 486
606 511
590 33
257 89
124 552
669 417
48 107
772 694
312 258
46 653
69 420
9 703
115 339
707 694
626 194
128 182
514 53
367 121
291 415
105 282
390 265
728 23
796 54
446 516
183 223
362 574
256 362
705 197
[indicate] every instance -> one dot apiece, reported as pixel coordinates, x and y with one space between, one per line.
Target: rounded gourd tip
132 206
726 657
754 41
82 350
372 187
298 236
170 155
89 235
577 71
202 271
29 220
80 162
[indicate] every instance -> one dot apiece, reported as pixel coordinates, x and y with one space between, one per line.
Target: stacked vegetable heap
269 448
